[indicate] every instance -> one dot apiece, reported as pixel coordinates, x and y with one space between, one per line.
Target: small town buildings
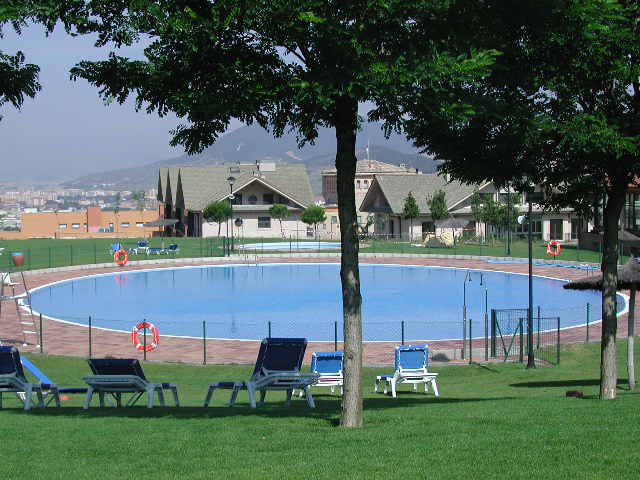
253 188
387 193
90 223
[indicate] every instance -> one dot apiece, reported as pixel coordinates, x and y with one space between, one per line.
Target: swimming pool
293 245
242 301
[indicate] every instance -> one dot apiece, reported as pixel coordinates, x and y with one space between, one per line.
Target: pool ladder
27 325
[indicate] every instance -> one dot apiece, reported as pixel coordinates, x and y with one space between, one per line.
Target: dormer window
252 199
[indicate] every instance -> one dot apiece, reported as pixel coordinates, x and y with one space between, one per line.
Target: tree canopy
438 205
561 109
279 212
286 65
313 215
217 212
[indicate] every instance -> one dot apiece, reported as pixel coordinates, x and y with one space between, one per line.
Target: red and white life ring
554 247
121 257
136 341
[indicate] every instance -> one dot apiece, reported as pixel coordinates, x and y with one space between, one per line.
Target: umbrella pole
631 340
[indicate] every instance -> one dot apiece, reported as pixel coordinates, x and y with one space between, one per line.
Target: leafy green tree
410 211
287 65
313 215
560 109
217 212
279 212
438 205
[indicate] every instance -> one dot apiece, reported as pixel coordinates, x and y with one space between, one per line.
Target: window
366 184
358 183
330 184
359 219
124 224
253 200
264 222
267 198
428 227
334 219
62 225
75 225
283 200
139 224
237 199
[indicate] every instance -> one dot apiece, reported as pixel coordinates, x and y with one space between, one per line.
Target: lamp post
531 363
231 181
467 278
486 318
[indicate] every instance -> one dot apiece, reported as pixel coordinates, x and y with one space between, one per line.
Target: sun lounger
411 363
13 379
50 390
116 376
277 368
328 366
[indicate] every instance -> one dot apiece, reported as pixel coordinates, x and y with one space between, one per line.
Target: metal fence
509 335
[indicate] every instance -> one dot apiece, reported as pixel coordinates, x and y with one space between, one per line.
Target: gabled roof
374 166
200 185
395 188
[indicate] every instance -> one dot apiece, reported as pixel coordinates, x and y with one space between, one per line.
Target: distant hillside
248 144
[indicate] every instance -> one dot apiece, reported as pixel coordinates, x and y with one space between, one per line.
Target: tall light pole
231 181
531 362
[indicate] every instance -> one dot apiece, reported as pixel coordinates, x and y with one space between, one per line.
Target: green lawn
495 421
47 253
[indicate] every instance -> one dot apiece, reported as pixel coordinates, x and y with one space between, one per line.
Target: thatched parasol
161 222
628 279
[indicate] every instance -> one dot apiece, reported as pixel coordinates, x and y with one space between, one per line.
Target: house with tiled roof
386 196
255 187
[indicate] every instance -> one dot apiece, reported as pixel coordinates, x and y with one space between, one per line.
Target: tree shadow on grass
565 383
326 411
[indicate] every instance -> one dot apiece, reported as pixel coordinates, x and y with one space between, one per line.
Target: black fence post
70 254
335 335
493 333
538 335
269 328
49 257
90 339
402 330
520 326
588 319
29 264
558 342
204 342
95 253
41 336
144 341
470 341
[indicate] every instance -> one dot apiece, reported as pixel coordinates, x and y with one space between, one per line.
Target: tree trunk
219 227
346 124
608 364
631 324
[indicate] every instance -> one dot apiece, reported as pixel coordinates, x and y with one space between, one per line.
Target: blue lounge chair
411 364
277 368
115 247
116 376
328 366
141 247
50 389
13 379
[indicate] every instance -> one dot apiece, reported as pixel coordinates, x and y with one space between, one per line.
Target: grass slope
494 421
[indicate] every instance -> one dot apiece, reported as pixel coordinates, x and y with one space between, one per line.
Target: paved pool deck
72 340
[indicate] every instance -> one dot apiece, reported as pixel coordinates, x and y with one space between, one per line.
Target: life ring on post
121 257
136 341
554 247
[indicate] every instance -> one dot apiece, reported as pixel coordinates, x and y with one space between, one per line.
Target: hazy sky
66 130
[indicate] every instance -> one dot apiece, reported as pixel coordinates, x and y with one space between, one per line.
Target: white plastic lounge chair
124 375
277 368
141 247
328 366
13 379
411 363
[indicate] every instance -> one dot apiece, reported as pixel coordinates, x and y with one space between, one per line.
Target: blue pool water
303 300
293 245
